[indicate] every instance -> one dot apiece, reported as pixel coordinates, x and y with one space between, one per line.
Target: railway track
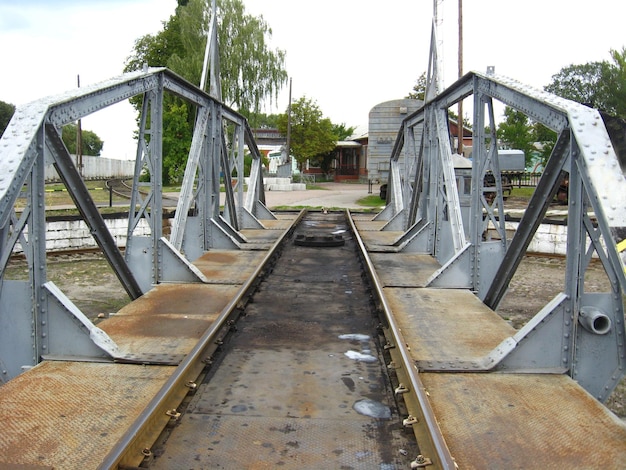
301 376
120 188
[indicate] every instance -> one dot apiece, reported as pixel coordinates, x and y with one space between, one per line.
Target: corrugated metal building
384 122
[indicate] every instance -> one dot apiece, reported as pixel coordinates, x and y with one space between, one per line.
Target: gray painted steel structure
36 319
578 333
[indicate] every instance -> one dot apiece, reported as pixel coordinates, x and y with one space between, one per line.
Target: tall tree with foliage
6 113
342 132
617 84
312 134
516 132
91 143
583 83
601 85
546 140
251 72
419 89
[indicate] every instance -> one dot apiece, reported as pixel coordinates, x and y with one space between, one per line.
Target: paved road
333 195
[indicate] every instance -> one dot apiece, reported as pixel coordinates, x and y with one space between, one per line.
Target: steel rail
114 457
444 457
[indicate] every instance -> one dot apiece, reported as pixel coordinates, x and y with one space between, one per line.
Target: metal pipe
594 320
444 456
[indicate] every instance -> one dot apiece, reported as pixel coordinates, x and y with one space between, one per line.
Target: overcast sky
347 55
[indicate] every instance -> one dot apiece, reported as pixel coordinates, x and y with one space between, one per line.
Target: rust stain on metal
187 299
536 421
68 414
168 319
446 324
161 326
404 270
234 267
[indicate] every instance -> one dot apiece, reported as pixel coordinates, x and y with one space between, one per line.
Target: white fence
98 168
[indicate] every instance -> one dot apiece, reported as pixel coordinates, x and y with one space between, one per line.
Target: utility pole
460 118
288 144
79 140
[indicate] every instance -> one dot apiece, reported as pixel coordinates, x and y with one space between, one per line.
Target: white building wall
74 234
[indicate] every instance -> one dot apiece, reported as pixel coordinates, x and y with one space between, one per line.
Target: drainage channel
302 383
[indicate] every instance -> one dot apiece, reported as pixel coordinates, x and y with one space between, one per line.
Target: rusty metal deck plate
366 224
282 221
404 269
168 319
374 238
381 241
68 415
263 239
229 266
529 421
446 325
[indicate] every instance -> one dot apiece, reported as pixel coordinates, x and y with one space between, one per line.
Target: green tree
342 132
616 84
262 121
91 143
419 89
6 113
176 142
311 133
250 72
546 139
601 85
582 83
516 132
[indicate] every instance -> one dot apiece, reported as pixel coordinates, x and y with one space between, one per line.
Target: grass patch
373 200
525 192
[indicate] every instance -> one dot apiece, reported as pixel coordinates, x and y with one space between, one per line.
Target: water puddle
355 337
365 355
358 356
372 408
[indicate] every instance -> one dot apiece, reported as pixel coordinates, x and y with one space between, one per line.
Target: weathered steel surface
404 270
380 241
446 325
366 224
524 421
231 266
286 392
375 238
169 319
67 415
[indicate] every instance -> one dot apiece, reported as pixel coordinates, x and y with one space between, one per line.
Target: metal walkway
274 396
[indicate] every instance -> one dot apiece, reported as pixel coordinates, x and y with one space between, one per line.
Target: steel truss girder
578 333
35 317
